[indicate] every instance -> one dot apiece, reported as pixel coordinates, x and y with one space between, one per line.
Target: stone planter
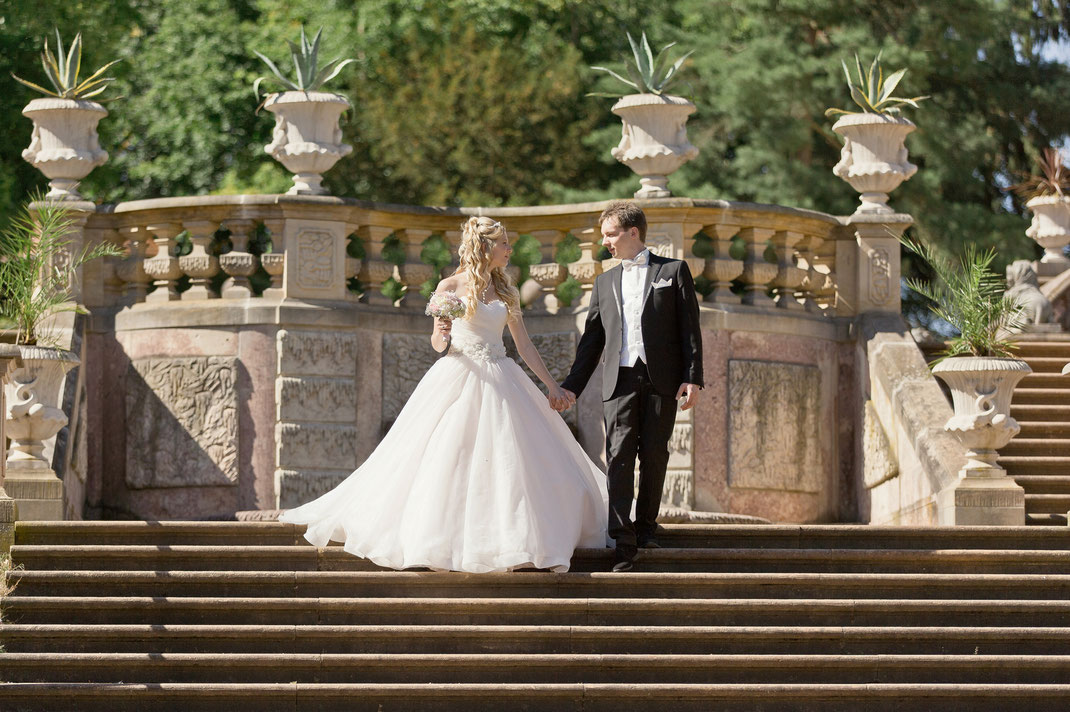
1051 227
64 145
874 158
307 139
653 140
981 390
34 416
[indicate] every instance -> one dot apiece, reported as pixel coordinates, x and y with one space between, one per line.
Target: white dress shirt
632 288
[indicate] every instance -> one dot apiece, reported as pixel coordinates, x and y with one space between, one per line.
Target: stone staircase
1039 456
214 616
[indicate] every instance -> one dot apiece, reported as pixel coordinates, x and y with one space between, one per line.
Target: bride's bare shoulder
453 283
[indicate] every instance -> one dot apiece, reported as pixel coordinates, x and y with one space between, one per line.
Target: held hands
560 399
687 395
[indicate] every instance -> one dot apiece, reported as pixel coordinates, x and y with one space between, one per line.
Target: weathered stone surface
317 353
182 422
880 461
773 422
406 358
317 398
557 350
314 445
679 489
315 258
296 487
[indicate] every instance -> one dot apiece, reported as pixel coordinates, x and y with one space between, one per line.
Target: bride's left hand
558 398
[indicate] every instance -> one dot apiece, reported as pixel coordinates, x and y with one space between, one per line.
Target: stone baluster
414 272
453 239
200 265
164 267
548 273
239 263
788 276
757 273
274 262
722 268
101 285
9 513
814 280
132 270
586 268
375 270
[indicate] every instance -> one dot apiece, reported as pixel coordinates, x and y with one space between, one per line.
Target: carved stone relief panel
317 353
406 358
774 426
880 276
316 398
315 259
295 488
679 489
182 422
660 244
316 445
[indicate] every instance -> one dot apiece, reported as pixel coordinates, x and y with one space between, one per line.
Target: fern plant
63 70
309 76
873 91
37 268
969 296
649 74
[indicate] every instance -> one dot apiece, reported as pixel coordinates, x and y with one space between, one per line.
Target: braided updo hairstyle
478 236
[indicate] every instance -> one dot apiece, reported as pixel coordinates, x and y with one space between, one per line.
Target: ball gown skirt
477 474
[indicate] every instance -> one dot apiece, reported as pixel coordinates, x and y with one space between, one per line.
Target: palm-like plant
873 91
970 297
1054 178
309 75
648 73
37 267
63 70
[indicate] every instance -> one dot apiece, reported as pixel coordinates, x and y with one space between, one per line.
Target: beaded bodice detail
480 338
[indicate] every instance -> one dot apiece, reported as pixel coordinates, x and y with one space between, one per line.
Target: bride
479 473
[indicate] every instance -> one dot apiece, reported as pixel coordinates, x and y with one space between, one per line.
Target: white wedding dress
477 474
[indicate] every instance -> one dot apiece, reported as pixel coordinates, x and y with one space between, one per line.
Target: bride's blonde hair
478 236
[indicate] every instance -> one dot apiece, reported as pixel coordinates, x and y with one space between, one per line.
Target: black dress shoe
623 558
622 566
650 543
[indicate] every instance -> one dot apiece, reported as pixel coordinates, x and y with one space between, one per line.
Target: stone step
1041 396
1048 520
1035 464
1036 446
1042 347
1044 484
1044 380
1047 503
539 639
533 669
1049 364
1050 413
1042 429
564 697
637 585
298 558
529 611
779 536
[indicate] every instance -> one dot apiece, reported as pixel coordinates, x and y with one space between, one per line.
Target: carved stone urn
653 140
33 417
873 159
1051 227
64 144
981 390
307 139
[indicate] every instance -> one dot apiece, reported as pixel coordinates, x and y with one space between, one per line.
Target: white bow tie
640 260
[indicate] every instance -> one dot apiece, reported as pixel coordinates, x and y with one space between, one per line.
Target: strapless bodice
480 338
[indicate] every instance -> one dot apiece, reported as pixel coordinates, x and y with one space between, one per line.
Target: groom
644 314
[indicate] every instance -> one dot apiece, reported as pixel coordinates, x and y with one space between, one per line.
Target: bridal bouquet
445 305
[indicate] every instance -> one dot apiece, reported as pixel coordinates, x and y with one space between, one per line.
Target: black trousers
639 421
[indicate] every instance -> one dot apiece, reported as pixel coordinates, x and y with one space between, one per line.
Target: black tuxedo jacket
671 334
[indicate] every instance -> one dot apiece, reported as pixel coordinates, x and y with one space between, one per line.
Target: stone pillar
132 270
878 270
315 259
548 273
9 357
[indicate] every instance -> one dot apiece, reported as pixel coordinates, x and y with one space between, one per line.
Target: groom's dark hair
627 215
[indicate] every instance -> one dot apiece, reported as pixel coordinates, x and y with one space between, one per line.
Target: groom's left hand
690 391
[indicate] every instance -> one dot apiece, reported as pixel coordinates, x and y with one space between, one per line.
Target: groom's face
622 243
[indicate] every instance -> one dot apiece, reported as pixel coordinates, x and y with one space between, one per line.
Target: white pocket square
662 283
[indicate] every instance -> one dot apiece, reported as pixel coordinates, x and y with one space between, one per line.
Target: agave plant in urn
307 139
64 145
874 155
38 269
654 136
979 368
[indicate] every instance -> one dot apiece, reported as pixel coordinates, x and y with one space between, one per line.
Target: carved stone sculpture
1023 287
306 138
1050 227
64 144
653 140
874 157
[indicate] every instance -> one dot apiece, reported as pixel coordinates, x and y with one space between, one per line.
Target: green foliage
63 70
39 267
648 74
970 297
309 76
873 92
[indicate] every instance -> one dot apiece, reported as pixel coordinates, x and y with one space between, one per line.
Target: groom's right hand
571 398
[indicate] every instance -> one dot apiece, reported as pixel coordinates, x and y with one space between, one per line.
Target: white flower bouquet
445 305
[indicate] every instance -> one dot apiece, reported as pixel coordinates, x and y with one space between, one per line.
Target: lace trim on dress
476 349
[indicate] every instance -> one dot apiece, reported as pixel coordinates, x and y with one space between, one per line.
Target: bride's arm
531 356
441 329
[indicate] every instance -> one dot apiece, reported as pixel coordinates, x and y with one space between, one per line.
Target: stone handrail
799 261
